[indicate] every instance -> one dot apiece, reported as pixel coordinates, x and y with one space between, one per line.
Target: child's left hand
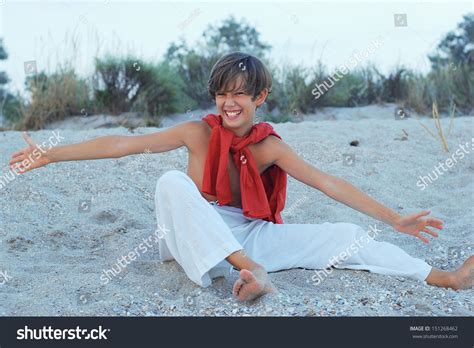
414 224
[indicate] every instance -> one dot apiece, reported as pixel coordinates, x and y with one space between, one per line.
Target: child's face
238 109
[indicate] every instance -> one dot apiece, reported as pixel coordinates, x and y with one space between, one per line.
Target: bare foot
252 284
464 276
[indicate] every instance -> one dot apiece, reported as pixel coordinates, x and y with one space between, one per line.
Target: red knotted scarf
263 196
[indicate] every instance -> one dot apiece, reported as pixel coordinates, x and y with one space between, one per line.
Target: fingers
18 153
435 223
423 213
424 239
28 139
18 165
20 156
20 168
15 163
426 230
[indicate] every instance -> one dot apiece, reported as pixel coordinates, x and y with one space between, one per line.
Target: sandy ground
62 225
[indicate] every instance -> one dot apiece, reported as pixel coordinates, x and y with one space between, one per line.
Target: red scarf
263 196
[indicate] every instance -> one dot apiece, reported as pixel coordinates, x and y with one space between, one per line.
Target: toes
247 276
248 286
245 294
237 285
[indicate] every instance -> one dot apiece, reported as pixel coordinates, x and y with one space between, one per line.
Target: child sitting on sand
225 211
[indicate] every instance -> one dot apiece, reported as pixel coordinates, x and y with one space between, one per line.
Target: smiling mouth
232 115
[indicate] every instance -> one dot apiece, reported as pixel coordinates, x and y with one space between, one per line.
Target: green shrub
291 92
348 91
280 118
193 69
53 98
118 82
11 109
163 94
453 86
395 85
445 86
419 93
130 84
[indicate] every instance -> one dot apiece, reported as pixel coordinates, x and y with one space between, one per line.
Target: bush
395 86
53 98
445 86
193 69
163 94
118 82
11 109
291 91
348 91
179 83
280 118
372 85
419 96
453 86
130 84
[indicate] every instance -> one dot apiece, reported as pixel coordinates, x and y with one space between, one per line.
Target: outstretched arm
112 146
346 193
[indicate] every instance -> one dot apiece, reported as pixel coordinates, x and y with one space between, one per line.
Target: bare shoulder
270 149
198 128
195 133
195 126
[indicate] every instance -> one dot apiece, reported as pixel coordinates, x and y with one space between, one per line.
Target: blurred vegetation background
178 83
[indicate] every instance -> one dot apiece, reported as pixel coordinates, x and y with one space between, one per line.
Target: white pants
199 235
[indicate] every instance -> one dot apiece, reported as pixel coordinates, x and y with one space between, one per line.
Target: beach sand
62 225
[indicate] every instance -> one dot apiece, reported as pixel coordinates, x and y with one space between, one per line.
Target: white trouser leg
317 246
195 234
199 236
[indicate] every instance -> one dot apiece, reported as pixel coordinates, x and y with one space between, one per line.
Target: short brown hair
255 76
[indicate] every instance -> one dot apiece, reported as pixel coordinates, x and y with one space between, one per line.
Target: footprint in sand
107 216
56 238
19 244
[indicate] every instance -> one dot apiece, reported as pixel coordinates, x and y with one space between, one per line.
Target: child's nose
229 101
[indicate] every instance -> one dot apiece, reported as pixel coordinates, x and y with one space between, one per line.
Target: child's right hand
30 157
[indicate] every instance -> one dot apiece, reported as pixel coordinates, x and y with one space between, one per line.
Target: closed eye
236 93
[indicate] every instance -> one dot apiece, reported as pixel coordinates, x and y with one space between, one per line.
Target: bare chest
197 159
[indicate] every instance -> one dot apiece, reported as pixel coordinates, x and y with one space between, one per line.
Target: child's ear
261 97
